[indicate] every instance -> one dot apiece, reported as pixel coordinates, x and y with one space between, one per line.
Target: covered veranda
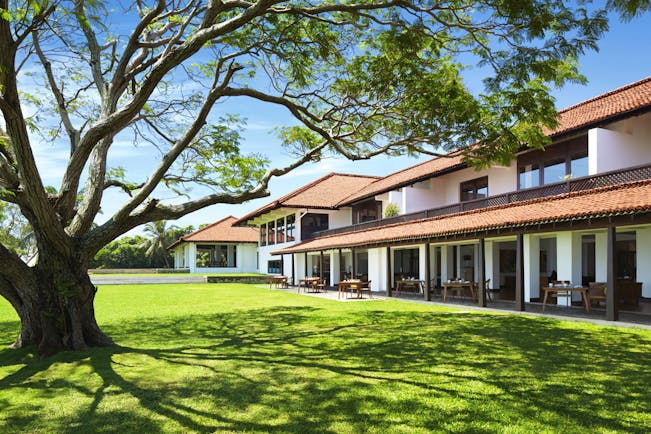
595 236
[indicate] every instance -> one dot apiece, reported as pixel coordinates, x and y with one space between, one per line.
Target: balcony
615 177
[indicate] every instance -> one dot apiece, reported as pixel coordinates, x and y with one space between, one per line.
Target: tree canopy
359 78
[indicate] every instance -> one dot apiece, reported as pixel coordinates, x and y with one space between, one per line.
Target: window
271 233
579 166
291 227
554 171
529 176
263 235
474 189
273 267
280 230
555 164
367 211
216 256
311 223
405 263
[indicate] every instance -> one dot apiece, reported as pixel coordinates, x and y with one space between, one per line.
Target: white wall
643 246
377 263
417 197
611 150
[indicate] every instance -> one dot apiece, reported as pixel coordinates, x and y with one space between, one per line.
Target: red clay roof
615 200
221 231
616 103
324 193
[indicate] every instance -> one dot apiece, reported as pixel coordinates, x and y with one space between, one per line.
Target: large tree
359 78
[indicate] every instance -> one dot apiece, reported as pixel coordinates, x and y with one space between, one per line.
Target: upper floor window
367 211
291 228
474 189
555 164
311 223
280 230
263 235
271 233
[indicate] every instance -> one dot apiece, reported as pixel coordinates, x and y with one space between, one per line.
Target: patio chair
596 292
487 290
321 285
365 286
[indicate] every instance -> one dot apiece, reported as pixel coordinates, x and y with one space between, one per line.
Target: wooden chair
487 290
320 285
596 292
365 286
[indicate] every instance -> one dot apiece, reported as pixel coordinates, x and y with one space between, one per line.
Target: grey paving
142 280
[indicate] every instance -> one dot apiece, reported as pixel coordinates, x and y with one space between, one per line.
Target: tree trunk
57 313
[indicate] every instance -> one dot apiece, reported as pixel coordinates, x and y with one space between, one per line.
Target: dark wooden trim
612 308
389 271
353 271
293 270
428 275
481 255
519 272
321 265
282 264
342 268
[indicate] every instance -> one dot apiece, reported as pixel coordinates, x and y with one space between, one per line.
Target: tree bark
57 311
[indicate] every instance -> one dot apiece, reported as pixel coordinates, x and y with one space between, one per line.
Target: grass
233 358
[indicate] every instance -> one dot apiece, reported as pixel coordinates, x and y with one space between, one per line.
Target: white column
643 246
531 267
377 268
334 267
445 275
489 259
192 257
421 262
568 260
600 250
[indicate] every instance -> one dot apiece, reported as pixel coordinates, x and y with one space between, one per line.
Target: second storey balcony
614 177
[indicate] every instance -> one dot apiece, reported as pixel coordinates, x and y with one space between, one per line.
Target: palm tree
158 239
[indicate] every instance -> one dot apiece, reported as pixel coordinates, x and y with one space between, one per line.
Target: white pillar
643 246
531 267
489 259
377 268
568 260
192 257
334 267
445 275
421 262
601 261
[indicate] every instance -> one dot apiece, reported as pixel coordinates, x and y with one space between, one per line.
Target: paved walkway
99 279
332 295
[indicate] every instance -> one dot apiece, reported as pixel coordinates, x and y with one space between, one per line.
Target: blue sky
623 58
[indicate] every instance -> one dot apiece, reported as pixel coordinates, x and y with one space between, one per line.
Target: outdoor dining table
307 282
559 289
414 284
355 284
458 286
279 281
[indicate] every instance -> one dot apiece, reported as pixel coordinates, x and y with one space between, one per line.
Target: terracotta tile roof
615 200
410 175
616 103
324 193
221 231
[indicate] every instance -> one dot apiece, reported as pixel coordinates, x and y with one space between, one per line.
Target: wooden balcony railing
614 177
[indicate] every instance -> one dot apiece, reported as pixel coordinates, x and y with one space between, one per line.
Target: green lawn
233 358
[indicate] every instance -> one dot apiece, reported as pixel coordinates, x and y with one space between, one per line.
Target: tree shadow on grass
296 369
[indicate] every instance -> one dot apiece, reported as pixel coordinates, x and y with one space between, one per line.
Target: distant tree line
142 251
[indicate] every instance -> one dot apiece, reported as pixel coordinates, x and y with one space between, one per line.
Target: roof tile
632 197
